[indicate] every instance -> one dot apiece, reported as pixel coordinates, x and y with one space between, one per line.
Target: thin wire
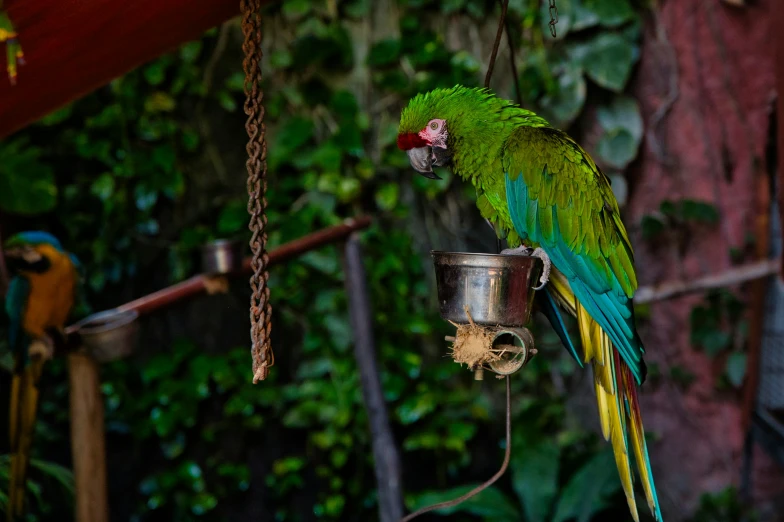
508 452
498 35
490 67
493 479
513 64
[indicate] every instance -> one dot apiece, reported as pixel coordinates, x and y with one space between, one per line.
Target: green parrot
39 299
14 54
537 186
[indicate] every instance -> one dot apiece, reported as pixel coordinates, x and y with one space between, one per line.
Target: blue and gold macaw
40 297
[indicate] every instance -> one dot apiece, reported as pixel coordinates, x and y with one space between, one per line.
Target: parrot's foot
548 265
523 250
43 348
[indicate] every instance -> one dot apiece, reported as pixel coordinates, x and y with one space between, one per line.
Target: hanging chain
553 17
260 308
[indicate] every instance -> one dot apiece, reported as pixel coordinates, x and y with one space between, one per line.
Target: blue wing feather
15 303
610 308
549 308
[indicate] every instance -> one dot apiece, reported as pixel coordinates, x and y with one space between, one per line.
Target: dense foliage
135 177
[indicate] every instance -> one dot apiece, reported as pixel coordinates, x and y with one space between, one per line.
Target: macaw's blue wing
15 303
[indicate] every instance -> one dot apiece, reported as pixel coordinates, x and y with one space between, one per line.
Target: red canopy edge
73 47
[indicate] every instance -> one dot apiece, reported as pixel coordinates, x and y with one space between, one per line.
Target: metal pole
385 454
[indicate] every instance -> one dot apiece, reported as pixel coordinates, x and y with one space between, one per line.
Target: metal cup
498 289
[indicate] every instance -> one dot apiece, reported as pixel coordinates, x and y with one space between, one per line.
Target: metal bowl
109 335
498 289
222 256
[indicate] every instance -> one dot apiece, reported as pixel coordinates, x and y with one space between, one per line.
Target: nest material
473 344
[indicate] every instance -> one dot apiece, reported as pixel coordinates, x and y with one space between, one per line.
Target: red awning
72 47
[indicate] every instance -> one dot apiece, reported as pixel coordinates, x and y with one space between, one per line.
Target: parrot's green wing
559 200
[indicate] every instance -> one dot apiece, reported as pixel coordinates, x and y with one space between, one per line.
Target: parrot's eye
434 125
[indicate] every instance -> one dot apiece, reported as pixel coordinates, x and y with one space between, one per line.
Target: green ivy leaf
27 184
617 148
566 102
159 102
651 227
699 211
58 116
736 368
610 13
584 17
295 9
416 407
586 492
608 61
623 113
387 195
535 477
233 218
384 53
714 341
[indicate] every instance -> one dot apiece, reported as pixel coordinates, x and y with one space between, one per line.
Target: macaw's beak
421 159
21 258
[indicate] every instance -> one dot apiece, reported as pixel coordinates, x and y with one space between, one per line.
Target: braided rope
260 307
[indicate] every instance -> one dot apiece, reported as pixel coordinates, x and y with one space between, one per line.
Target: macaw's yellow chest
51 295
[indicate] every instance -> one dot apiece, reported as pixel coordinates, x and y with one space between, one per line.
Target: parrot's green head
447 127
31 251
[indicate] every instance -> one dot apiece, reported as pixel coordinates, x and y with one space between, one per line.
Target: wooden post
385 454
87 439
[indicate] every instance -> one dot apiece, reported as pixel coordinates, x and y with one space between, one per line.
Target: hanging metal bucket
109 335
497 289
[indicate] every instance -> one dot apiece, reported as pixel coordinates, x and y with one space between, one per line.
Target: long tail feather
549 308
616 398
24 404
638 442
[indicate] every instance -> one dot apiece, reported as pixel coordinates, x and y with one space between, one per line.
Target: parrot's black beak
25 259
421 160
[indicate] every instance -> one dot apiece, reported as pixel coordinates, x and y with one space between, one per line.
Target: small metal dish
109 335
498 289
221 256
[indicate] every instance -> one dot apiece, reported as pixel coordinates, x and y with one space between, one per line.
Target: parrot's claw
523 250
42 348
548 265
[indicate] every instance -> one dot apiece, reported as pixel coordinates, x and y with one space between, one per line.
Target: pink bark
704 147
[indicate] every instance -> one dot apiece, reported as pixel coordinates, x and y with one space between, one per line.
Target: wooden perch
385 454
733 276
202 282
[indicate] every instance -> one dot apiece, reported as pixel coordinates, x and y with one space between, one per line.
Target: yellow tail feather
24 403
638 443
614 387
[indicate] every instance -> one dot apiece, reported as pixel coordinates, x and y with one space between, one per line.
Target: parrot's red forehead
410 140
